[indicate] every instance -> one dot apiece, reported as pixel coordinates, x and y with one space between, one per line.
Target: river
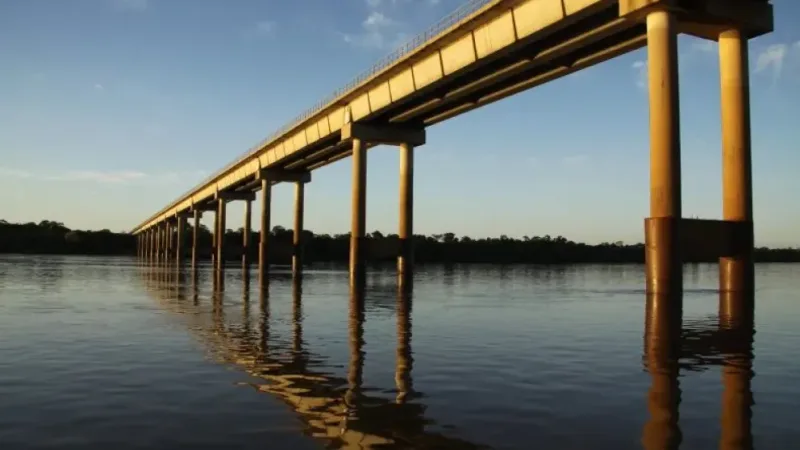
109 353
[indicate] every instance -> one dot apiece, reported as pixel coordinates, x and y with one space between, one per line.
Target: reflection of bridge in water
337 411
333 409
670 346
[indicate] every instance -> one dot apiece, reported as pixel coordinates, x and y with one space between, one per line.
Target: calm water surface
106 353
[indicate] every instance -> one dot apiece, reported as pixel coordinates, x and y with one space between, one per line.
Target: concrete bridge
484 52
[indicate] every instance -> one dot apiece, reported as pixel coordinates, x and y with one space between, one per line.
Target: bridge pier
297 238
266 210
179 239
358 220
196 216
362 135
220 238
248 204
405 258
736 269
664 263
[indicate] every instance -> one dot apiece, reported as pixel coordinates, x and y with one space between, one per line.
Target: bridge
486 51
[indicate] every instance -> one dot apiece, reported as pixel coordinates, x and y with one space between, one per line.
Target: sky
110 109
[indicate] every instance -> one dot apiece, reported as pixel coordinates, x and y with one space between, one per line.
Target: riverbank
48 237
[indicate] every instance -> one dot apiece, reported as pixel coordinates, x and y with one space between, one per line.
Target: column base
663 256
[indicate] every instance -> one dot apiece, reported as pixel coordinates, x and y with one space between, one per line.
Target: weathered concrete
736 271
662 238
359 212
263 245
405 259
196 216
297 238
248 204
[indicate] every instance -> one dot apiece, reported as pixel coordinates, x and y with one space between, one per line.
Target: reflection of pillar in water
356 332
263 322
736 323
405 361
661 352
297 316
246 310
195 290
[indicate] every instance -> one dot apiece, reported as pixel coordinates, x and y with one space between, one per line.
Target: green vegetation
54 238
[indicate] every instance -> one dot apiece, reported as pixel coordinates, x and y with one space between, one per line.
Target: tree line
50 237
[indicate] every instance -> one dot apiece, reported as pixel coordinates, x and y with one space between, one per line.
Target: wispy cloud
131 5
640 68
771 60
99 87
103 177
380 29
375 31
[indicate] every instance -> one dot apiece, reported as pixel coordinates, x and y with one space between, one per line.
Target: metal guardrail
417 41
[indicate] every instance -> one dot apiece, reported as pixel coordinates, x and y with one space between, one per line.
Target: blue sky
109 109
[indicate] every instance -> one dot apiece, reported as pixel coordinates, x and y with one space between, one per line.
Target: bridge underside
502 49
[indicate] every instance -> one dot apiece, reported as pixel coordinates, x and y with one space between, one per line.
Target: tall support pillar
220 234
159 241
736 270
167 241
297 239
405 259
179 241
151 245
215 239
662 228
266 209
246 236
195 233
359 212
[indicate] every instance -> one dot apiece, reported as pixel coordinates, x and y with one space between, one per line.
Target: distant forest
49 237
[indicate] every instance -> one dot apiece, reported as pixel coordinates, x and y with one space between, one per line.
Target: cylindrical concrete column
215 239
736 271
359 212
266 209
195 233
297 239
221 234
168 240
663 255
405 259
661 352
246 235
179 241
159 241
151 244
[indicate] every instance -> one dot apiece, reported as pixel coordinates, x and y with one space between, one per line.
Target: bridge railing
464 10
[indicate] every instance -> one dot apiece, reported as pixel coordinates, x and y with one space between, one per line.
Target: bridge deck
497 49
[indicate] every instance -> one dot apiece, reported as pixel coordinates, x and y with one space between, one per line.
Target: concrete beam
183 215
278 175
229 196
708 18
384 134
208 207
